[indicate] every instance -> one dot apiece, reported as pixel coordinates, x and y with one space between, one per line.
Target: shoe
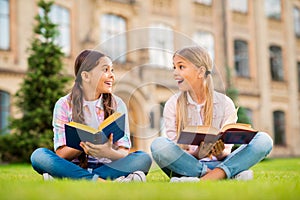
244 175
137 176
184 179
47 177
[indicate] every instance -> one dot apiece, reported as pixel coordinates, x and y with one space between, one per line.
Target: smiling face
102 76
186 74
99 80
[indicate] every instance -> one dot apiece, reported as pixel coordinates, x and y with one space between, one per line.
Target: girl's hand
218 148
204 149
98 150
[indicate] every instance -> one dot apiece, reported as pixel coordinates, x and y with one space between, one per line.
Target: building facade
257 40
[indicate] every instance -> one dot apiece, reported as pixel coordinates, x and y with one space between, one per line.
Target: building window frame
273 9
276 63
296 14
279 127
112 36
61 17
239 6
241 58
4 111
206 39
204 2
161 43
5 25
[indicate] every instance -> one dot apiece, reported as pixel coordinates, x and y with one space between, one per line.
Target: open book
76 132
237 133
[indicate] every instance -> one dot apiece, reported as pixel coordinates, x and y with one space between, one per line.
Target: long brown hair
199 57
86 61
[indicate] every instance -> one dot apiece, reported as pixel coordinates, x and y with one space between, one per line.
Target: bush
18 147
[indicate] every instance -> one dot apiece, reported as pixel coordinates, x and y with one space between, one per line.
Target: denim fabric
176 162
46 161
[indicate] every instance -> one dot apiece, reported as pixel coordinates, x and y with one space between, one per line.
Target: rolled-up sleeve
60 118
169 115
124 141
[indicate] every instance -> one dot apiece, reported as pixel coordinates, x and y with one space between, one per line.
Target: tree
41 88
233 93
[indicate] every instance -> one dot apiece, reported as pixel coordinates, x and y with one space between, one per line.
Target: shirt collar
98 103
191 101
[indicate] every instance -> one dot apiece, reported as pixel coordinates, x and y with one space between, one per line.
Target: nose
175 72
111 75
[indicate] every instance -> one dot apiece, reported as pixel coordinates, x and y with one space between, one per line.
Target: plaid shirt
62 114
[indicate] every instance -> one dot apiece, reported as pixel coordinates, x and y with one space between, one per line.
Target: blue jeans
46 161
176 162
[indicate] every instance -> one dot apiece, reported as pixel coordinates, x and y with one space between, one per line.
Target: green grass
274 179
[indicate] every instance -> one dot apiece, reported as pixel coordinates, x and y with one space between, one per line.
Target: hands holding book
210 149
105 150
98 150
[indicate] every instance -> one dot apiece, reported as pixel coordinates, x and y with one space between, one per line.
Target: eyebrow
106 65
180 62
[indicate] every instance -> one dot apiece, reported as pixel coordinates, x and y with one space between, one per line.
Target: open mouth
108 83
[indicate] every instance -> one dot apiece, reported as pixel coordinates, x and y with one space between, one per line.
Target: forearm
116 154
68 153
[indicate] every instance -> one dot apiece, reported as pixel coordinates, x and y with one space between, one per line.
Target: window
113 37
206 40
4 25
241 58
297 21
298 66
276 63
61 16
279 127
239 5
273 9
205 2
4 110
161 43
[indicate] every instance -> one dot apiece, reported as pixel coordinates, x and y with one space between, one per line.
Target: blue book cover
76 132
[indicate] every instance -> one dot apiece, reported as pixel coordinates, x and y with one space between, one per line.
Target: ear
85 76
201 72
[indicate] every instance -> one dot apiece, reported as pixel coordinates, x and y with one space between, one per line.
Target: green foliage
243 117
41 88
233 93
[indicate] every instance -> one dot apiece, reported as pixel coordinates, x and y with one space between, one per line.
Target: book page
109 120
239 126
201 129
83 127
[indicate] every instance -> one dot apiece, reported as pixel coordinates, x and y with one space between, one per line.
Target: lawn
274 179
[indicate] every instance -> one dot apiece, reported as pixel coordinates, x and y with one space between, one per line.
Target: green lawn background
274 179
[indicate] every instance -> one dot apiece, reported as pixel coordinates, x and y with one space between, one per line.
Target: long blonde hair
199 57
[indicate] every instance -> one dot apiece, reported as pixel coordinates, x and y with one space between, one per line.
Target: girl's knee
143 156
38 154
264 142
158 143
